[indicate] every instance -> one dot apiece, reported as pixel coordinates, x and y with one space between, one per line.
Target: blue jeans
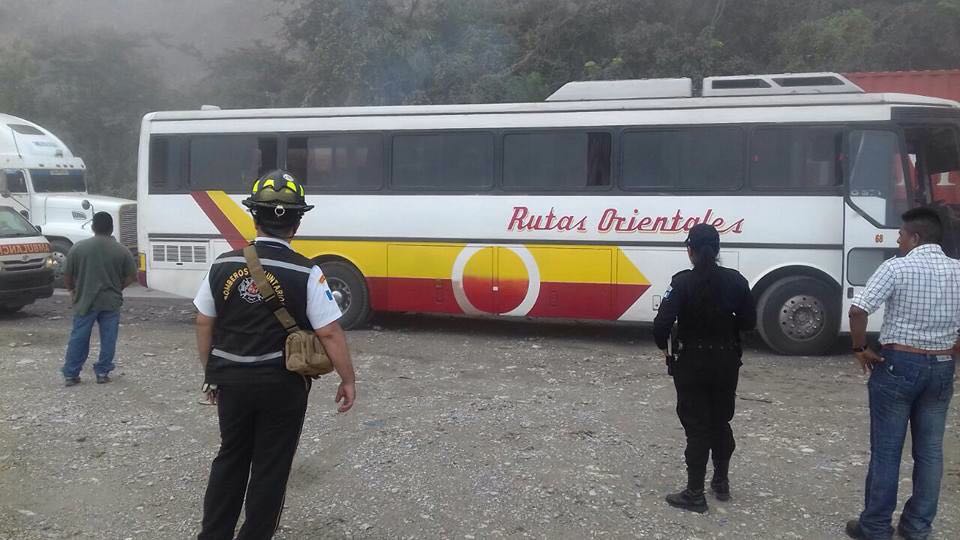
912 389
79 346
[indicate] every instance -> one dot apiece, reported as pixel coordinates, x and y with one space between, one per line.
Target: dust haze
180 35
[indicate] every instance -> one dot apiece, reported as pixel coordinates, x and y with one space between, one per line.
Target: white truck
46 183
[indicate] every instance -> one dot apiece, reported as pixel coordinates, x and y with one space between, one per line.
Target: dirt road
463 429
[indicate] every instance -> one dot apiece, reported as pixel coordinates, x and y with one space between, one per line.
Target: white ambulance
46 184
26 261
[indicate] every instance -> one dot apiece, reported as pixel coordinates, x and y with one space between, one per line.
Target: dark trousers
706 396
259 430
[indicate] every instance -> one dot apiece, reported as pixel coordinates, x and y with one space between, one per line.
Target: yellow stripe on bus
234 213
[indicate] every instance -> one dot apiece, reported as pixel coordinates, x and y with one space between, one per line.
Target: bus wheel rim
341 292
802 317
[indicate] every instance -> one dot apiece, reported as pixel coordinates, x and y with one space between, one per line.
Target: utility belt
677 347
707 346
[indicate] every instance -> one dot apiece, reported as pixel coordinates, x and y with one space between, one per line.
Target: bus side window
795 158
166 164
712 158
230 162
340 161
556 160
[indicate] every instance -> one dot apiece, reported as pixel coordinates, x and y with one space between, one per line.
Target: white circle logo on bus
473 287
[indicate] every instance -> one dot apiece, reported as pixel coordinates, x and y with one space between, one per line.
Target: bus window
560 160
166 164
230 162
712 158
651 159
876 167
443 161
344 161
797 158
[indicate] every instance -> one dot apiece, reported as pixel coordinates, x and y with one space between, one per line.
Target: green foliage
93 89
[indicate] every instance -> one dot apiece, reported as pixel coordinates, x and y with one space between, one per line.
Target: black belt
685 346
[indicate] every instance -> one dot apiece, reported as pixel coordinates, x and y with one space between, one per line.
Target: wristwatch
860 349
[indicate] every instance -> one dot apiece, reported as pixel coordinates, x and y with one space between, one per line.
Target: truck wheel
350 291
60 249
799 316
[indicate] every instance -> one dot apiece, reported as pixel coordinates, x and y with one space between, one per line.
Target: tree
92 92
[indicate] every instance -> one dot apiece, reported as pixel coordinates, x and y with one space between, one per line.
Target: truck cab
26 261
44 182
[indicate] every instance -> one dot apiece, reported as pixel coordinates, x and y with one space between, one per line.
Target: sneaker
721 489
71 381
687 499
103 379
853 529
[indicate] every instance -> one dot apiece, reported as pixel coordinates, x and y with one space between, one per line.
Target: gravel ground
463 429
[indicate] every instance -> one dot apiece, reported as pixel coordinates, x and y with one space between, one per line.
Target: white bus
574 208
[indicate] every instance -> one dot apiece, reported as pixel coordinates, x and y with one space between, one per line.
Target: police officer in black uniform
713 306
261 406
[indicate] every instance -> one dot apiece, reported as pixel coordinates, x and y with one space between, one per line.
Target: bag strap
266 291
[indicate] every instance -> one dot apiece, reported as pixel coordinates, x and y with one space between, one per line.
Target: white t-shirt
322 309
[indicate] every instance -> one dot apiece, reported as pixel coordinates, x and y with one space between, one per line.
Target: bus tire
59 249
350 290
799 316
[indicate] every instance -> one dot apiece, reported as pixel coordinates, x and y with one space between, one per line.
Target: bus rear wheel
799 316
350 291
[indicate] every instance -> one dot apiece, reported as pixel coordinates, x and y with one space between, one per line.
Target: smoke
178 34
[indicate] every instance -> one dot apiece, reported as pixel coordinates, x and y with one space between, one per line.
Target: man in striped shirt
911 380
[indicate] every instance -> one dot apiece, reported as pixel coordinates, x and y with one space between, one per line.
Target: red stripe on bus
602 301
220 221
423 295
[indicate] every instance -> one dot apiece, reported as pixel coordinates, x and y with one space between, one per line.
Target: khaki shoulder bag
303 353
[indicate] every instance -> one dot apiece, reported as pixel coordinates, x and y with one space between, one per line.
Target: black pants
259 430
706 397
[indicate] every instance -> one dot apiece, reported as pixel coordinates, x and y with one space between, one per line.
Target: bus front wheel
349 289
799 316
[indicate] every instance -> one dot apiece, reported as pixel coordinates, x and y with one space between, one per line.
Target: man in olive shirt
96 272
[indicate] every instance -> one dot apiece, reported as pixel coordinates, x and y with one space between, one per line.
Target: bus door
934 166
878 192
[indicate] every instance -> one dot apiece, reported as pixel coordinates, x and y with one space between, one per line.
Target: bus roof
839 100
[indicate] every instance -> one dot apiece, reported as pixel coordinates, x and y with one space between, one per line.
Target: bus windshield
12 224
58 181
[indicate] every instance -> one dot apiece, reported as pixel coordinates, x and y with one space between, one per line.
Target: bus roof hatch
628 89
785 83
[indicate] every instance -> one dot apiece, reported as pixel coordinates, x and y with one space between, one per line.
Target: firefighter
712 306
260 404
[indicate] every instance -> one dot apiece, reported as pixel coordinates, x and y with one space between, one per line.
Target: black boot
692 498
720 484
